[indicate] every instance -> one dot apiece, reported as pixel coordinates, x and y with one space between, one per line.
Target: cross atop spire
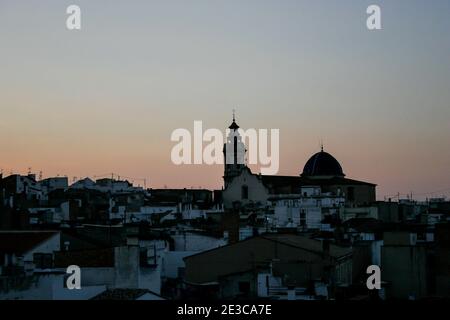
234 125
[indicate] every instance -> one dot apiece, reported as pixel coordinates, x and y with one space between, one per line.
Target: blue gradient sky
106 98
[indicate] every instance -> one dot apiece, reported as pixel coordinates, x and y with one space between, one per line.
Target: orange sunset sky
105 99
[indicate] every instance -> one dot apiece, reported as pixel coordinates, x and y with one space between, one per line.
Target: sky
105 99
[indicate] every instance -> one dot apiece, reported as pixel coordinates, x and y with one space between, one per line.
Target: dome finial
321 145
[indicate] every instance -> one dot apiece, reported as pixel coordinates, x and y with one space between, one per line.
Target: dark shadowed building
297 260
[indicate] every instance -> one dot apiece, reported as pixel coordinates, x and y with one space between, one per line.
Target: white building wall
173 261
193 214
313 218
256 190
150 278
376 252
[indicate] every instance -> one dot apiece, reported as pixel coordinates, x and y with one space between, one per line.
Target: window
303 214
143 257
235 150
302 218
244 193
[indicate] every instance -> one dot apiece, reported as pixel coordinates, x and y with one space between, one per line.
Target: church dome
322 164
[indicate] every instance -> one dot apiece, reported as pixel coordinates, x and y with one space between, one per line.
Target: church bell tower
234 153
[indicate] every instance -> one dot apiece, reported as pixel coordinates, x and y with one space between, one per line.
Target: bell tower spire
233 152
234 125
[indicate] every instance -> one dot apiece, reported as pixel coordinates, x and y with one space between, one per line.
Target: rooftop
20 242
124 294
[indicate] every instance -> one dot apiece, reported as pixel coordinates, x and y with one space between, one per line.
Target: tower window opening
244 192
